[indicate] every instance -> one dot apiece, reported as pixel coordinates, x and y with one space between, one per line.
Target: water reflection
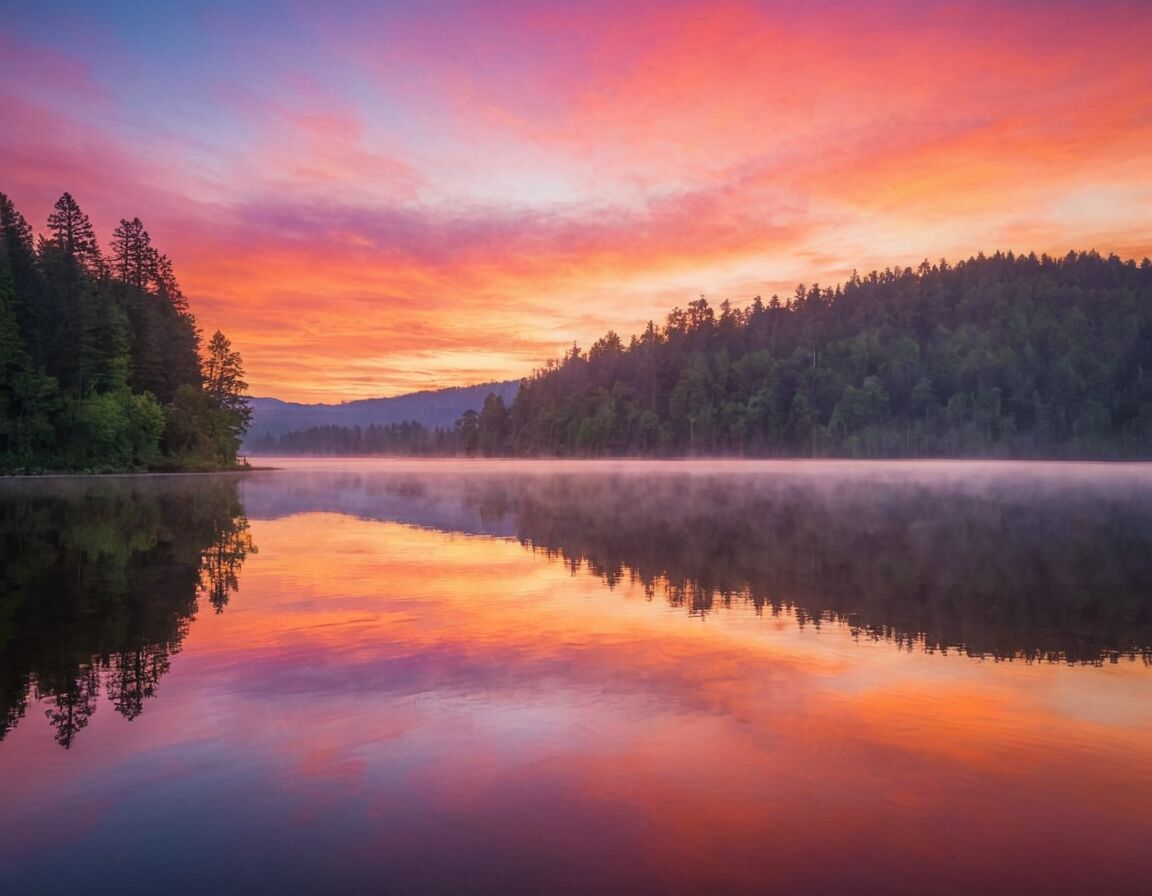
102 577
415 694
100 581
1041 562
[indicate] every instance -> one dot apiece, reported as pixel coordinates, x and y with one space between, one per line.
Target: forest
408 439
999 356
1005 356
475 433
101 362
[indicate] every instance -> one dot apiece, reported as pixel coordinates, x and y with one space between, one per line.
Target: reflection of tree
1043 572
102 584
133 675
73 702
221 562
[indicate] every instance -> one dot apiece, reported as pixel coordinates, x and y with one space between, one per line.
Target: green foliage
199 433
1006 356
188 422
99 364
225 387
113 431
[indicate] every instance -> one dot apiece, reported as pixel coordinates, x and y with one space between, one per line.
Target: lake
615 677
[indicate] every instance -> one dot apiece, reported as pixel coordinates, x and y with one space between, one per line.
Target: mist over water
637 676
1039 561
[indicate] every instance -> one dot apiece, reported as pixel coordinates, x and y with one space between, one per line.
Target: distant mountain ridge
434 408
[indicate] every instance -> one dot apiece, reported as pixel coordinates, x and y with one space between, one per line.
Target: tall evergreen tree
72 232
164 283
495 426
28 398
18 256
225 387
133 258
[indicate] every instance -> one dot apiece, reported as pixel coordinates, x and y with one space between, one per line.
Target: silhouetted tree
72 232
100 366
133 258
494 426
225 387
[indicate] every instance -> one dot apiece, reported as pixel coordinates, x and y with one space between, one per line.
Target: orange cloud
401 201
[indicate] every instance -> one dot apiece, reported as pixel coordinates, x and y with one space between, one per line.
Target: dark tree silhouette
101 366
73 234
133 258
73 705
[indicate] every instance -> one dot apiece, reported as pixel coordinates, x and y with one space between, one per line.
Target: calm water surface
490 677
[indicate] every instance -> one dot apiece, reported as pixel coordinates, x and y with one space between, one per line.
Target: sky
375 198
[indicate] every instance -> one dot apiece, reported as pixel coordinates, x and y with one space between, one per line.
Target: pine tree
18 257
72 232
133 258
164 283
225 387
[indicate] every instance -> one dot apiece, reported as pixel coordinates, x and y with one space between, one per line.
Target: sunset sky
375 198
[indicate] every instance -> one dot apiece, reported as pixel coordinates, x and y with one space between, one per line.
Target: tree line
1008 355
485 432
1004 566
100 357
999 356
409 439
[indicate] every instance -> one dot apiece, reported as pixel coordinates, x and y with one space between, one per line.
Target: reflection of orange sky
370 588
501 181
693 732
730 749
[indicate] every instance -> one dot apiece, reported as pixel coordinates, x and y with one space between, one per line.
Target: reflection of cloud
446 712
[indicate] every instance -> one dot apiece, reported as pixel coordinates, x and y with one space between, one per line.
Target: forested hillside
1007 356
100 362
433 409
406 439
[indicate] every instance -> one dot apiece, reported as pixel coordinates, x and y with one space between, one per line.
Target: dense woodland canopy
100 357
1014 356
1002 356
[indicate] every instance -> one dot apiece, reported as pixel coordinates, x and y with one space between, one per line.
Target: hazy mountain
433 408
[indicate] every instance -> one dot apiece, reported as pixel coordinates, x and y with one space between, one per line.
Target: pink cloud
525 175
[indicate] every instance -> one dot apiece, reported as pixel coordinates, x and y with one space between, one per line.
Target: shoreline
70 474
720 461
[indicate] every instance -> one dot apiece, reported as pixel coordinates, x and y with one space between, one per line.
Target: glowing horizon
375 201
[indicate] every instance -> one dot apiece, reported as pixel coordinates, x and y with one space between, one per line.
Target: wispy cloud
370 199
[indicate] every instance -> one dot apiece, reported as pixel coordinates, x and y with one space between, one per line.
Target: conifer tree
132 255
18 256
224 385
72 232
